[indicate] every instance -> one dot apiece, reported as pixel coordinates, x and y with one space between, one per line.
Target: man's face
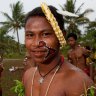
40 39
71 41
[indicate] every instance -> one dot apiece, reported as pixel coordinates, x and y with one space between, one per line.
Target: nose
36 41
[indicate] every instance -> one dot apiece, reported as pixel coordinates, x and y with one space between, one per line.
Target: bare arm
78 85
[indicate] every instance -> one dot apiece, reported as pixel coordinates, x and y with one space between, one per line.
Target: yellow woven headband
50 17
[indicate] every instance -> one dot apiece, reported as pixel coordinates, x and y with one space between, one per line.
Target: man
52 76
77 54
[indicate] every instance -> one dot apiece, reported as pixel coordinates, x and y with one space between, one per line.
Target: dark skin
38 29
77 54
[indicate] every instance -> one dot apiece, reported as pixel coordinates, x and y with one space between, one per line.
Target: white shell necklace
58 67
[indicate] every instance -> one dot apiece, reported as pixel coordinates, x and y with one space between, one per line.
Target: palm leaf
92 24
7 16
17 10
86 12
79 8
82 20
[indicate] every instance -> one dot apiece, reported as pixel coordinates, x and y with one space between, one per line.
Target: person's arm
80 85
86 52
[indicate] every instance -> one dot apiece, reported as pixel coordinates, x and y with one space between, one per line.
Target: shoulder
79 47
82 48
74 72
80 81
76 81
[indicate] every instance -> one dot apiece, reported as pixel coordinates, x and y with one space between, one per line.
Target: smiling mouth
39 53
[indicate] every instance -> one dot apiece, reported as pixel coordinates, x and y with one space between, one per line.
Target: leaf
18 88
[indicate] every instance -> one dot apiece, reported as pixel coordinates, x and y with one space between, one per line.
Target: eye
29 35
45 34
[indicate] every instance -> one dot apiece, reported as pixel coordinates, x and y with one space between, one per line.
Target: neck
74 46
44 68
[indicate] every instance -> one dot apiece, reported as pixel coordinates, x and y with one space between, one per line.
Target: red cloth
87 71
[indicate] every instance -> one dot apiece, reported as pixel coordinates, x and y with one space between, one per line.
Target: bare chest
73 54
49 87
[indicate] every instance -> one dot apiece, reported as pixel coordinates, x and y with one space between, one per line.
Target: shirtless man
77 54
52 76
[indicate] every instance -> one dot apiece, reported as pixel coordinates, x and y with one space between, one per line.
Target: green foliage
65 50
72 23
18 88
89 39
91 33
15 21
70 6
90 91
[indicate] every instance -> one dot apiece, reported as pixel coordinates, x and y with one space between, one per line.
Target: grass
7 80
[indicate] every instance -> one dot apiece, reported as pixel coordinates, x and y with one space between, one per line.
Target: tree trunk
18 44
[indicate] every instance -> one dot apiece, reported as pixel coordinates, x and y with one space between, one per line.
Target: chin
43 61
39 60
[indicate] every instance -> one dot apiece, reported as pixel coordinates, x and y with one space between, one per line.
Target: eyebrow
46 30
28 31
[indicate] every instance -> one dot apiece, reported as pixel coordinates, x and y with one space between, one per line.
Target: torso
65 82
77 57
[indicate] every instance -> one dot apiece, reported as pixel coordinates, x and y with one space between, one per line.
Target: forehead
71 38
37 22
